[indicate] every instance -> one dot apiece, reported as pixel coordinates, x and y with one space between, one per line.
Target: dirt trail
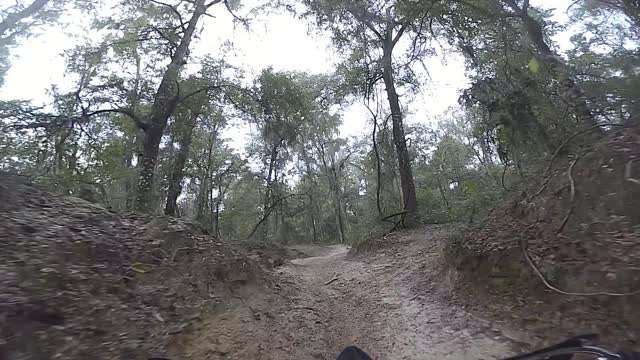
326 302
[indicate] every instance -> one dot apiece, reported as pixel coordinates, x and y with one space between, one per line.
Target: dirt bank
78 281
85 282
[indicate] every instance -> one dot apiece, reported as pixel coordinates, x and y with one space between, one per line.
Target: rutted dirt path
324 303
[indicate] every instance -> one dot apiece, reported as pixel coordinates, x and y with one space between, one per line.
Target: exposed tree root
536 270
572 183
559 149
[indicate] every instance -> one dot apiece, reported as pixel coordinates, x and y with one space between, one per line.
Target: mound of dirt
269 254
80 282
581 229
393 243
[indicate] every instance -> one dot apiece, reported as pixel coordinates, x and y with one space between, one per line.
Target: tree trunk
282 227
314 226
211 205
410 201
175 183
271 175
205 181
216 213
60 149
374 142
59 154
72 160
150 149
331 172
164 104
338 213
443 194
312 210
201 200
129 181
222 190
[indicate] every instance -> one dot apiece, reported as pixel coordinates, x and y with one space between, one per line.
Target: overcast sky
278 40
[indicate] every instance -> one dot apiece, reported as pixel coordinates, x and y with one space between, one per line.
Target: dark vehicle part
562 351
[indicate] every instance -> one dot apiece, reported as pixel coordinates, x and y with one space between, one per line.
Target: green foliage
455 175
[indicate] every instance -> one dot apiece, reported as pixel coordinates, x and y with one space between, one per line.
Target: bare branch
206 6
398 35
270 209
91 138
366 22
172 44
374 141
536 270
332 280
573 3
401 213
14 18
173 10
572 183
199 91
397 223
139 123
244 22
564 143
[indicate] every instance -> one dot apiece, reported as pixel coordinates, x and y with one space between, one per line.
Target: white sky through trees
280 40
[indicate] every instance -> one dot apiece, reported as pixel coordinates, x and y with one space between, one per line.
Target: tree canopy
141 123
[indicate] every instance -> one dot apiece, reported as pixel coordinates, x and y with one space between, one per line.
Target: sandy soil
324 303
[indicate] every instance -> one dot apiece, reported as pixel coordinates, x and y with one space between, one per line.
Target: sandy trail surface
322 304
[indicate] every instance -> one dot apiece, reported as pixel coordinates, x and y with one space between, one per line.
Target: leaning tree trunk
410 201
175 183
164 105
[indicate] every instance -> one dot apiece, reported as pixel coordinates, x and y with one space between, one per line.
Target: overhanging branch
139 123
173 10
244 22
206 6
366 22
